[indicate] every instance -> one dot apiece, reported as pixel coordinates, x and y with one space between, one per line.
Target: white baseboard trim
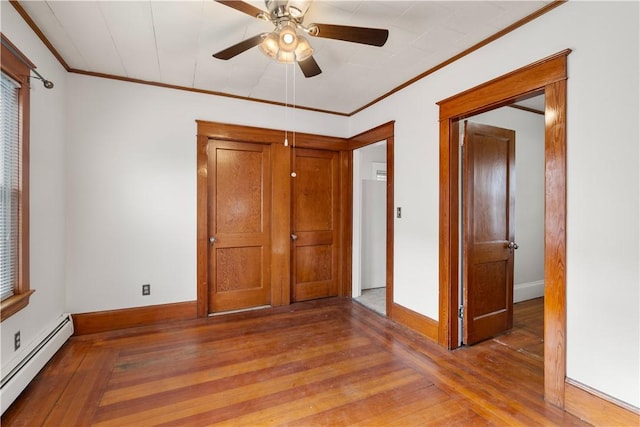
527 291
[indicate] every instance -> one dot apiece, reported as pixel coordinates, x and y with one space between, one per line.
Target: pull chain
286 99
293 165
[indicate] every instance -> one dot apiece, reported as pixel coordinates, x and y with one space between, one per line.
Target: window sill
14 304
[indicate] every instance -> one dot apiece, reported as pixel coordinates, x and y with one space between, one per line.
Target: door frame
548 76
280 216
356 260
384 132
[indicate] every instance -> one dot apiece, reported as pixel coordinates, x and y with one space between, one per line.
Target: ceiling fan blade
370 36
238 48
242 7
309 67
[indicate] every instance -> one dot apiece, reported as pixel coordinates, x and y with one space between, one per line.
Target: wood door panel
239 268
315 222
490 176
314 263
239 190
488 298
314 202
314 237
489 201
240 221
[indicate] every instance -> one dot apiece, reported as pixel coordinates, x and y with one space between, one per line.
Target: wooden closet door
239 209
315 224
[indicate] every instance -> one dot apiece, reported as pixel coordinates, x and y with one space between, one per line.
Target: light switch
398 212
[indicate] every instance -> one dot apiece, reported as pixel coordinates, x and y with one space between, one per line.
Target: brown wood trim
230 132
390 219
527 109
281 226
415 321
432 70
111 320
379 133
16 65
507 88
281 221
555 237
466 52
598 409
202 227
547 76
16 5
14 304
346 224
448 234
17 53
384 132
196 90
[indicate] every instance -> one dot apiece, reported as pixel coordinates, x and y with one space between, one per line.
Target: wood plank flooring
324 362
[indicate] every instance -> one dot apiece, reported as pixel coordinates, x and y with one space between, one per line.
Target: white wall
529 212
603 325
47 195
374 216
363 158
131 182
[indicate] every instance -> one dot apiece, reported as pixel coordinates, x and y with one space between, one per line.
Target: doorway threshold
374 299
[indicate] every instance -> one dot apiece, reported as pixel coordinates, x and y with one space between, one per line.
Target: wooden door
315 224
239 225
489 228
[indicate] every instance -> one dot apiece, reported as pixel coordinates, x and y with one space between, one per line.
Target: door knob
294 237
212 240
513 245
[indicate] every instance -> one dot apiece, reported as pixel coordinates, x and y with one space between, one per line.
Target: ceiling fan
286 43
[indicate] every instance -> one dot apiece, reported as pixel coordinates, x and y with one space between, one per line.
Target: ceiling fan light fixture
285 57
286 46
303 50
288 39
270 46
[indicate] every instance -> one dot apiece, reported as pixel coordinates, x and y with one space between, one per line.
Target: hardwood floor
323 362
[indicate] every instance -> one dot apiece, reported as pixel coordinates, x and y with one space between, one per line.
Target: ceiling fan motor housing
287 8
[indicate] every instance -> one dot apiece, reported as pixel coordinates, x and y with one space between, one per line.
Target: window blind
10 185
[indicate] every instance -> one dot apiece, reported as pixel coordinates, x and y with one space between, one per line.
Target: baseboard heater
17 379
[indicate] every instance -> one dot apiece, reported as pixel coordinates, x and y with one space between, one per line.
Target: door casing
281 223
280 215
547 76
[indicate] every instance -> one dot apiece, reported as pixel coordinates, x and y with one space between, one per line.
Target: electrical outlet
16 341
146 289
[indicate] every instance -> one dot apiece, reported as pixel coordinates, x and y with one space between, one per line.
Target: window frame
18 67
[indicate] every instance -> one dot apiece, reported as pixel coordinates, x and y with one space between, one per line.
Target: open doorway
548 76
520 301
370 226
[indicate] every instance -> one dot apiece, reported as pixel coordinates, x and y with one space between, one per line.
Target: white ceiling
172 42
